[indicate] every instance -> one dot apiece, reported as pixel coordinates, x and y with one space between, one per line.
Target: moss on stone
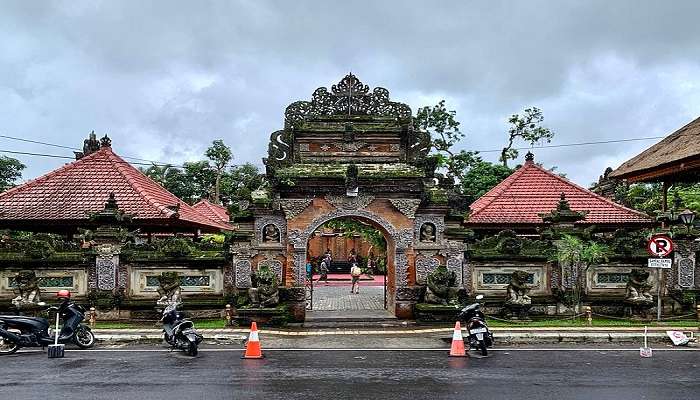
365 171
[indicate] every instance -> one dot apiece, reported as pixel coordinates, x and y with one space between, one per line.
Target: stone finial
563 214
529 157
90 145
105 141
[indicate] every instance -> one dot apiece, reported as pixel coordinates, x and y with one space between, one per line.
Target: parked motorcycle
18 331
480 337
179 332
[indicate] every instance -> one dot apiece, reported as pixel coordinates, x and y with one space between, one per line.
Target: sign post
659 246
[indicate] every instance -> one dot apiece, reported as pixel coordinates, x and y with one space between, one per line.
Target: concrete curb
503 335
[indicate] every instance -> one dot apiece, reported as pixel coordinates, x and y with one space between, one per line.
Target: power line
576 144
25 153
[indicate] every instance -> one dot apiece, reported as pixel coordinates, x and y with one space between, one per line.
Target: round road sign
660 246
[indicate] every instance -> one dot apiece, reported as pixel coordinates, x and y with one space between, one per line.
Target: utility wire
576 144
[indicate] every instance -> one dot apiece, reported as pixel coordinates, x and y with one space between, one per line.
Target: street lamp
687 217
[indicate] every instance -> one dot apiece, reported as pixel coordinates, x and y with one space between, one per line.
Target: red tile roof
533 190
213 211
72 192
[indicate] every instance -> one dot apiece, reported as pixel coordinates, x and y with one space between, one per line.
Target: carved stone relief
277 221
407 207
303 147
242 268
349 146
686 270
420 228
401 273
349 203
294 207
424 266
106 272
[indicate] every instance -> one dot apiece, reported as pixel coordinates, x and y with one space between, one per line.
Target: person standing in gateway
355 273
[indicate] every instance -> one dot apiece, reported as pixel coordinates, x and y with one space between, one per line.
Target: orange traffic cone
457 348
252 347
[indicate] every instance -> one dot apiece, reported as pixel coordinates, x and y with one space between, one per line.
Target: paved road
150 373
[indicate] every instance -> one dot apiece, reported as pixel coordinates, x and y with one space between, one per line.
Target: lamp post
687 217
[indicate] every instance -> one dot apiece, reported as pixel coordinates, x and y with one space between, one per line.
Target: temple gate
350 153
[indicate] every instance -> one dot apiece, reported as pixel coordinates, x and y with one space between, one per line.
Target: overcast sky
164 79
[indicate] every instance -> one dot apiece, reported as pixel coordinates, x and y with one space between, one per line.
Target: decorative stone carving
243 204
455 260
395 147
27 290
441 287
638 294
169 290
262 222
106 273
424 267
242 268
420 227
300 267
265 289
303 147
685 259
271 234
348 97
274 265
349 203
401 266
294 207
407 207
404 238
427 233
349 146
518 302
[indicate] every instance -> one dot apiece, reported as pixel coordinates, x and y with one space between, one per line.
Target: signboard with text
663 263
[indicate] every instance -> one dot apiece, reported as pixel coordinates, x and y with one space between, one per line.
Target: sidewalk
414 336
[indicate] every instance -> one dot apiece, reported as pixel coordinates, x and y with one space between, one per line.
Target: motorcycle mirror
479 296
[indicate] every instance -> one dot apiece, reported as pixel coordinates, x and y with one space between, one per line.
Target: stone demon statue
27 290
518 289
441 287
638 288
169 289
265 290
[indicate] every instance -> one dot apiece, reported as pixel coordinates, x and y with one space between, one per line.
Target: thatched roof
678 153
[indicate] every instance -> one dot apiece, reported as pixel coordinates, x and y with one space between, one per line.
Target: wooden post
664 200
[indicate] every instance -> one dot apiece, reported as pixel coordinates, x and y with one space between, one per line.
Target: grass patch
198 323
581 322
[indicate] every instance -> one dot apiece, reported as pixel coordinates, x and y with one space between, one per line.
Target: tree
444 132
575 257
220 155
171 178
526 127
482 177
10 171
201 180
238 183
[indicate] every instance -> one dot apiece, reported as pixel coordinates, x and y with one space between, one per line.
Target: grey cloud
166 78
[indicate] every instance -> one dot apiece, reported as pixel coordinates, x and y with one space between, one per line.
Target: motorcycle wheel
482 348
7 346
192 349
84 338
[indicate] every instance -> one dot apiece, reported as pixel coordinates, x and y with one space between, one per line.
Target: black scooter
480 337
179 332
20 331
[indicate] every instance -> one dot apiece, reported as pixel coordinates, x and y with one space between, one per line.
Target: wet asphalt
152 372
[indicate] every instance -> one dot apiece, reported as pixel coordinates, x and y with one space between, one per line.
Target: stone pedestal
278 316
436 313
519 312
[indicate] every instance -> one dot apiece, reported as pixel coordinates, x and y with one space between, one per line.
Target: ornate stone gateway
350 152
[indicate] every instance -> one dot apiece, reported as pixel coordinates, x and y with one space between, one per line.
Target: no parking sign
660 246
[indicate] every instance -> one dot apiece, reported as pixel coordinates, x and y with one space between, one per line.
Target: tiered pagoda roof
64 199
532 191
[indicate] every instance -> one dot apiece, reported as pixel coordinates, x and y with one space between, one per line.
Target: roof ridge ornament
347 98
529 157
90 145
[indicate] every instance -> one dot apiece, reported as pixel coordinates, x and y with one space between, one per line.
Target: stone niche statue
442 287
169 289
518 302
271 234
27 291
265 289
427 233
638 295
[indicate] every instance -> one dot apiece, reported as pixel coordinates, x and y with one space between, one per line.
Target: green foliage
444 132
220 155
350 227
576 256
526 127
482 177
177 247
646 197
10 171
